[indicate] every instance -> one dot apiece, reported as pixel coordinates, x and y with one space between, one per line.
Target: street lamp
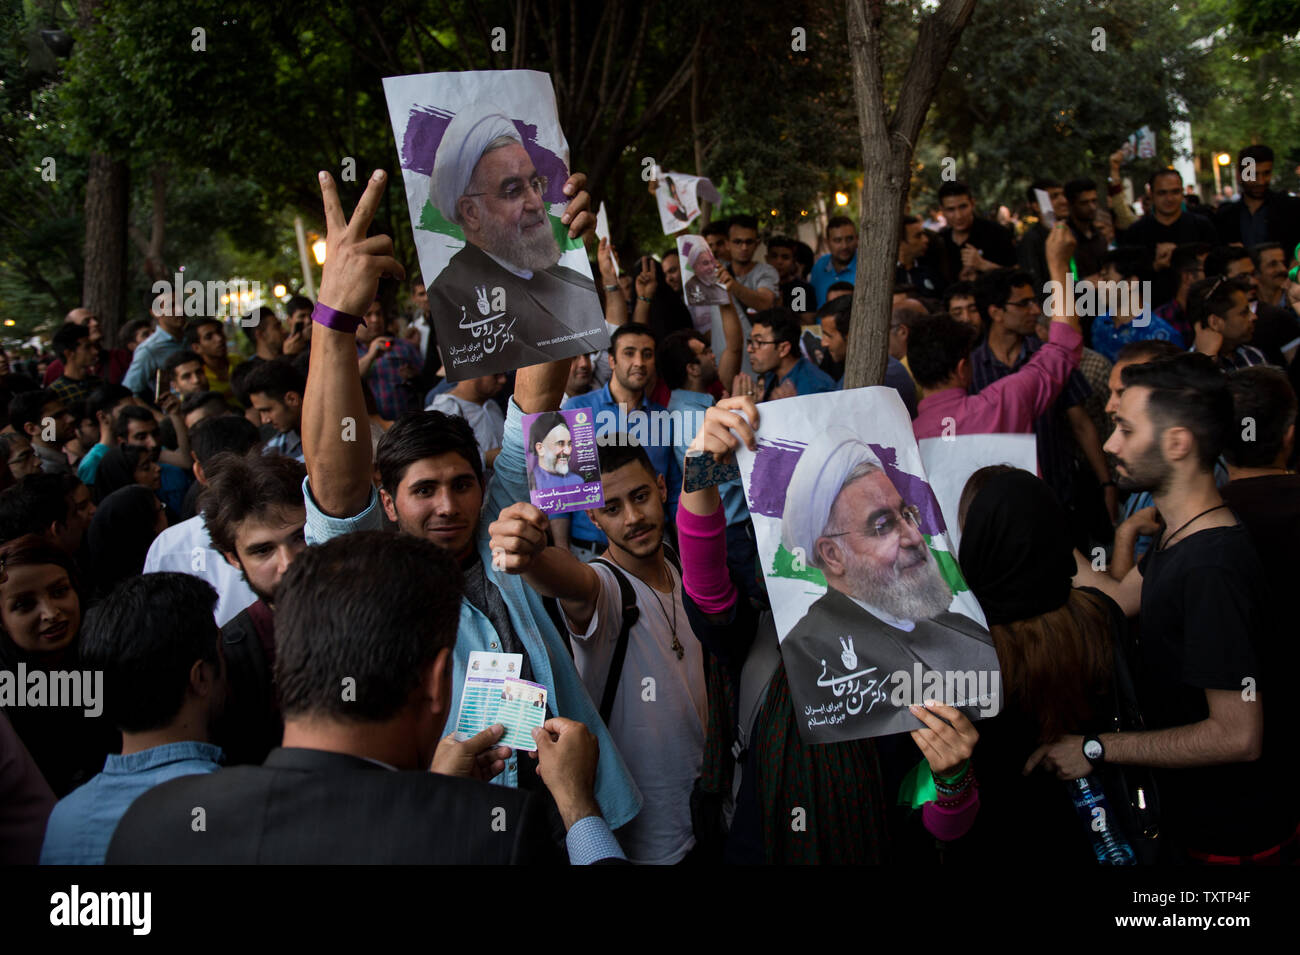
841 199
279 291
1221 160
318 251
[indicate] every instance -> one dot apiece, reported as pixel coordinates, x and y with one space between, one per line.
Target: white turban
818 477
467 135
693 248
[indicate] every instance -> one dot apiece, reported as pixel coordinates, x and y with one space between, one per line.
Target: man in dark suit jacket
365 685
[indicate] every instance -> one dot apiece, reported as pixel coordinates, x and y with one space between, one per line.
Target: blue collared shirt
650 425
150 355
806 377
553 667
687 409
1107 339
83 821
824 275
288 443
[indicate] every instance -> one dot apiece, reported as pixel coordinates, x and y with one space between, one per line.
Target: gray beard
509 244
925 595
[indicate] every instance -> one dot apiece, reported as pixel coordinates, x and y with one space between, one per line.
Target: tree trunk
888 141
104 285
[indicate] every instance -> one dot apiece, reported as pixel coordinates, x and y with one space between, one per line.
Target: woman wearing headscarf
124 526
122 466
1055 646
40 626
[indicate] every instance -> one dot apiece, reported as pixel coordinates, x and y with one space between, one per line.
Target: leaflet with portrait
563 464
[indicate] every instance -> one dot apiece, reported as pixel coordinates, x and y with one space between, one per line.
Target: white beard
535 252
921 595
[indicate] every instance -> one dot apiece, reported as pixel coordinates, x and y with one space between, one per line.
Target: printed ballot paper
484 163
495 694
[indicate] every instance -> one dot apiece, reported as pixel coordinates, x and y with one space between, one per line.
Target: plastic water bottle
1090 802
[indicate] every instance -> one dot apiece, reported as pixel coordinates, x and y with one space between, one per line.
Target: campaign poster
484 162
678 197
700 270
563 463
869 602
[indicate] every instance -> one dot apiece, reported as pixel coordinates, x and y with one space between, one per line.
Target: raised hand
354 264
945 745
518 535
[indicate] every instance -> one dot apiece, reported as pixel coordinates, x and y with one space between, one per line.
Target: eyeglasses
887 524
1024 302
758 342
517 191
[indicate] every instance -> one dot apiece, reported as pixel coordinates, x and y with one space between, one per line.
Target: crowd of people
252 583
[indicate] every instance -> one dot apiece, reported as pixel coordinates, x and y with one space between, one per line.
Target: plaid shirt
393 396
70 390
1056 446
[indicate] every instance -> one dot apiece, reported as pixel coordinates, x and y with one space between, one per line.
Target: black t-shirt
993 242
1202 605
1148 233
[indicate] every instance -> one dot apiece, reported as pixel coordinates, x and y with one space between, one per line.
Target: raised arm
615 304
519 546
733 346
335 437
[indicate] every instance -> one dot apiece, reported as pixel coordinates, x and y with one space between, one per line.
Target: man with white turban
886 605
702 287
503 300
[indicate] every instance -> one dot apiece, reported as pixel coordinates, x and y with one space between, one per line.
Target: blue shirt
83 821
806 377
544 480
548 653
1107 340
173 483
824 275
149 356
288 443
650 425
687 409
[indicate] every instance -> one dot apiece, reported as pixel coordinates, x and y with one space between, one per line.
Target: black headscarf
1016 551
116 470
120 534
668 311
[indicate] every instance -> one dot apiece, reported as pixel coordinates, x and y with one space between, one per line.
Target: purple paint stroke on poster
424 129
912 489
774 463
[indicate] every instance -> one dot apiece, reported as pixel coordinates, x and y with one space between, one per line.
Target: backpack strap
631 613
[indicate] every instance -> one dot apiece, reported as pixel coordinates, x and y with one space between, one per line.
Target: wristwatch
1093 751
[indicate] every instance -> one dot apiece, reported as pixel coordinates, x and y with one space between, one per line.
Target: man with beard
552 445
1220 313
885 610
1199 596
253 511
663 743
1260 214
155 642
672 266
512 303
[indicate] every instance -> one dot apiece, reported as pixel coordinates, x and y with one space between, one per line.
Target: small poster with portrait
700 271
562 461
678 197
869 601
484 163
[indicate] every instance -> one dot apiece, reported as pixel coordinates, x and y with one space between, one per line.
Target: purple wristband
333 318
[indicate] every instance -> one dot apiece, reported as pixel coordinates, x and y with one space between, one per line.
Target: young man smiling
432 482
663 744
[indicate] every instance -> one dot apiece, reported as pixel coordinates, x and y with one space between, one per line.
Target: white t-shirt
485 420
186 548
660 735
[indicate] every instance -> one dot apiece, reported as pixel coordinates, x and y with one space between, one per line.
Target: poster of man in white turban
484 162
867 596
700 284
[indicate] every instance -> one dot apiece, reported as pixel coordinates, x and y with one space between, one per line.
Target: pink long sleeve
703 540
950 824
